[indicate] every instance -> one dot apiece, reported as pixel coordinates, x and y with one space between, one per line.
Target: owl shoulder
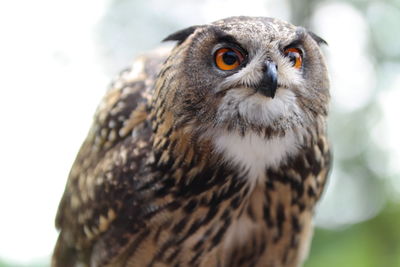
102 178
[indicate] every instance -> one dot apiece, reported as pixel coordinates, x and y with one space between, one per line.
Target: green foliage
373 243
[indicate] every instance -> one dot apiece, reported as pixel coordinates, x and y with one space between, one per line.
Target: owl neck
173 141
213 177
186 156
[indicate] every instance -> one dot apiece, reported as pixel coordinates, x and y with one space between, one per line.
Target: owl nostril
264 67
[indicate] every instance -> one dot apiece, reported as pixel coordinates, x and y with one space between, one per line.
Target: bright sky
52 80
51 83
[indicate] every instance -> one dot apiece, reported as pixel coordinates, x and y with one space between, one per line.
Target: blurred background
57 58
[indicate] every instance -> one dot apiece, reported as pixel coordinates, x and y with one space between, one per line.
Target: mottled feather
186 165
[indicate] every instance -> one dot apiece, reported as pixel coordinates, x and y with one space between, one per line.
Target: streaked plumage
190 165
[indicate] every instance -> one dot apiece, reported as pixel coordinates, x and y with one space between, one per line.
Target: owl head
242 75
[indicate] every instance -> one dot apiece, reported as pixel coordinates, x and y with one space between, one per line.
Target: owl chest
241 222
269 230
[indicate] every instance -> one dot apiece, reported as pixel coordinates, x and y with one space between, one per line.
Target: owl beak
269 82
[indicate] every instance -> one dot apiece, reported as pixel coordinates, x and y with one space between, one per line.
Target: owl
210 153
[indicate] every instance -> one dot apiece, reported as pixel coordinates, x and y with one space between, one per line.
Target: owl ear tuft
181 35
318 39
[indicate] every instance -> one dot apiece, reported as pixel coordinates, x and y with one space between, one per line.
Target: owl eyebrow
227 39
301 34
299 38
223 37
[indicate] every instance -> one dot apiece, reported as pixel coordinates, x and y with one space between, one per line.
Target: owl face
246 74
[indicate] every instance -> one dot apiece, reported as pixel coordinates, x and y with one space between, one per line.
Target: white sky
50 85
52 79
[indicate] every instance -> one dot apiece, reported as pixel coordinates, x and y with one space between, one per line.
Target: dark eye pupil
292 57
229 58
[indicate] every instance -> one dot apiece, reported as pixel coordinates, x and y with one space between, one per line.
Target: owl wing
102 181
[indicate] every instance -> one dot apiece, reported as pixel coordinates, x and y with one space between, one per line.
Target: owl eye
295 56
228 58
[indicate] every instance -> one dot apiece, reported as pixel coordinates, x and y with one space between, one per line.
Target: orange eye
295 56
228 58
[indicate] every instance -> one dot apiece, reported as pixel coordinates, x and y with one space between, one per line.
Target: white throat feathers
254 153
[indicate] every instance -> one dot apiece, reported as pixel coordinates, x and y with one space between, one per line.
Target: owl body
213 153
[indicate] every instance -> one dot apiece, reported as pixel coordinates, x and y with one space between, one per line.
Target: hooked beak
269 82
